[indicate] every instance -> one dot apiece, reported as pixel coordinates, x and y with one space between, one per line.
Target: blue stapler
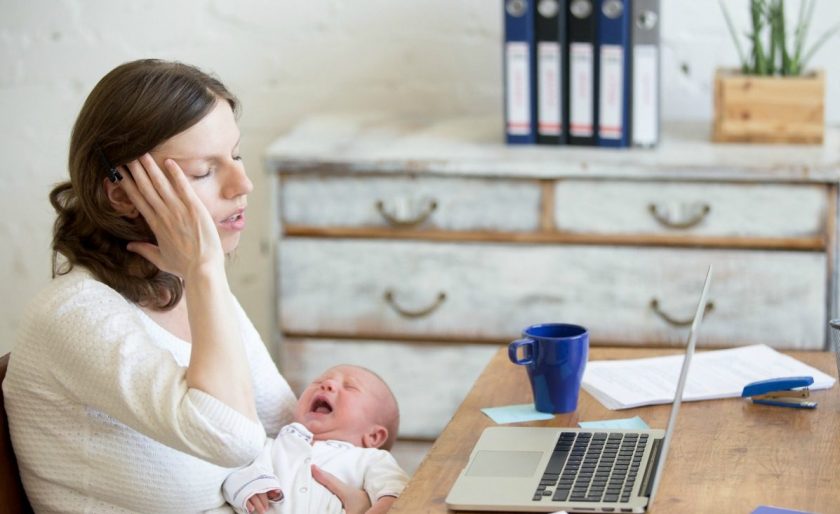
781 392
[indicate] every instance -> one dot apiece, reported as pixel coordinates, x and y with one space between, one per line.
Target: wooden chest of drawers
416 248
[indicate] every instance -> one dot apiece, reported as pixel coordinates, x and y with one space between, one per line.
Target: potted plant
773 97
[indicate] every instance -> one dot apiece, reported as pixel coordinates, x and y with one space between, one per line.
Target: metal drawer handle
661 215
419 313
409 222
654 304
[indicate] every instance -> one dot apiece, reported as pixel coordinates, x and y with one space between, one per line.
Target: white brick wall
284 59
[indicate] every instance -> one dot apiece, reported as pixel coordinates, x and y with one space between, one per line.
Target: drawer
491 291
700 209
405 202
429 380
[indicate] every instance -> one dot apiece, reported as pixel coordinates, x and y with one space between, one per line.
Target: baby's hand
261 502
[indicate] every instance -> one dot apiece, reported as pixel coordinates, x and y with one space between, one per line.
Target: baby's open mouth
321 406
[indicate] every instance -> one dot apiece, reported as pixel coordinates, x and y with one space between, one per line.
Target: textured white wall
284 60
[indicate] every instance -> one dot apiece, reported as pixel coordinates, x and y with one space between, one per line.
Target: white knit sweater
102 419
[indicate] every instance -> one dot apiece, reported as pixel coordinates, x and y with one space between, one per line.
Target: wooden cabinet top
473 146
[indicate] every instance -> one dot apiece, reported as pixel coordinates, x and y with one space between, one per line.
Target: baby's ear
375 437
119 199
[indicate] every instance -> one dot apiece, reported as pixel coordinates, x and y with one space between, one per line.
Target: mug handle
526 343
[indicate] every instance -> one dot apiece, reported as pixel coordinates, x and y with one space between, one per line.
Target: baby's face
343 404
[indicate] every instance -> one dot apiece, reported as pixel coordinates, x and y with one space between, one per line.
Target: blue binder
519 71
614 93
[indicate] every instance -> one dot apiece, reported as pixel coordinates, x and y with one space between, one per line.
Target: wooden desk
726 455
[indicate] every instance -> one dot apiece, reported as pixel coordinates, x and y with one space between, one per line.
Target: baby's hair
392 424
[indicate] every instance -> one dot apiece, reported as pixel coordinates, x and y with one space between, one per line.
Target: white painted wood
758 210
429 380
460 204
473 146
494 290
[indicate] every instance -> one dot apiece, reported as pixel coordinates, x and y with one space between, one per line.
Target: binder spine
614 95
551 42
646 73
519 60
581 79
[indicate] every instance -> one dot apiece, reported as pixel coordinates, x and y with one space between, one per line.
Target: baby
345 421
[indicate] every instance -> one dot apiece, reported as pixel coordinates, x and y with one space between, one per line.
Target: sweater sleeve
99 351
275 400
383 476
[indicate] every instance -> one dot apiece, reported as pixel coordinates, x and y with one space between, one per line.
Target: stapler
781 392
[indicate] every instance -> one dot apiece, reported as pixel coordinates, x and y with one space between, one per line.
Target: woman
137 379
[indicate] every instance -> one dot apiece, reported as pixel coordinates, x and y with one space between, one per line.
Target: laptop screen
678 394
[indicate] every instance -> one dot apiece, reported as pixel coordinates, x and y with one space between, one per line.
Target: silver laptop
537 469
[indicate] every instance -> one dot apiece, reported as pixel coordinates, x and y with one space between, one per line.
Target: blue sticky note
515 413
764 509
635 423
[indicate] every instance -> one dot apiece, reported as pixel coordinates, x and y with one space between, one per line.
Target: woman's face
208 152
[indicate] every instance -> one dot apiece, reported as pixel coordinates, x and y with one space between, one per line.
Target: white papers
716 374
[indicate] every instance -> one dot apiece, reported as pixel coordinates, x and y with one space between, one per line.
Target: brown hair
134 108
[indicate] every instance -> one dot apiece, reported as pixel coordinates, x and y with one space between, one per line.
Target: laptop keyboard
592 467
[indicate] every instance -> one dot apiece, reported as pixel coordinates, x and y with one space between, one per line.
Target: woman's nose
237 183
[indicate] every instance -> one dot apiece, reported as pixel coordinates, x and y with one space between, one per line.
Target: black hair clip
113 173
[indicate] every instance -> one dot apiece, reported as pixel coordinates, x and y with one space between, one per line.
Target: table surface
726 455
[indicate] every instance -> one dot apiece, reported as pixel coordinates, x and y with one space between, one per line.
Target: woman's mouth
236 221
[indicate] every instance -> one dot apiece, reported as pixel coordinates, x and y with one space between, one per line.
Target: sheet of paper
624 384
634 423
515 413
765 509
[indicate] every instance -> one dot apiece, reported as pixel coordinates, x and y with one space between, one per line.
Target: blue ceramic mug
555 355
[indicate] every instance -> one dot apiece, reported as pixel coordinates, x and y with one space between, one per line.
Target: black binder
582 72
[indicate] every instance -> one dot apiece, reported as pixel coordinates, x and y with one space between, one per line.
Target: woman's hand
189 247
355 501
186 234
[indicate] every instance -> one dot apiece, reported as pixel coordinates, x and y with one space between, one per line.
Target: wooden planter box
755 109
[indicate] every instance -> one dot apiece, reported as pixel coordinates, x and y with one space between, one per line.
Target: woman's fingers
128 185
147 189
157 178
355 501
178 179
148 251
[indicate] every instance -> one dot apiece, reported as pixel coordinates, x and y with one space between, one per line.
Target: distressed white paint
429 380
461 203
620 207
494 290
471 145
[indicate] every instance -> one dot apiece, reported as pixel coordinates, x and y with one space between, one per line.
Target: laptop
540 469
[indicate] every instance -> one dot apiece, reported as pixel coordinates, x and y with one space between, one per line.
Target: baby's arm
384 480
254 485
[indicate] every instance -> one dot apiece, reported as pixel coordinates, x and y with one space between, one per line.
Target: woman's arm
100 352
188 246
275 400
